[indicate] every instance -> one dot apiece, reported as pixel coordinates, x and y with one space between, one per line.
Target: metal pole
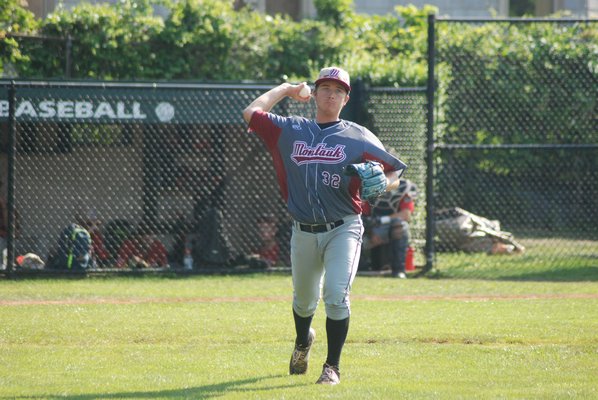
68 50
429 249
10 245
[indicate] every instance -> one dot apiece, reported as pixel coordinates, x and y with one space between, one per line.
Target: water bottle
409 264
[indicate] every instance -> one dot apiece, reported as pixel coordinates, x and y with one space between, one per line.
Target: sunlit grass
231 337
556 260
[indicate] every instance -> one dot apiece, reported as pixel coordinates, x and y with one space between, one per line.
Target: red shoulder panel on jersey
269 132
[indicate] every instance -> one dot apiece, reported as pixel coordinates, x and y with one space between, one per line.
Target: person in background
142 250
267 231
4 229
3 232
387 234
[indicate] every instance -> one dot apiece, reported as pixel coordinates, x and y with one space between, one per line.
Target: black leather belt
319 228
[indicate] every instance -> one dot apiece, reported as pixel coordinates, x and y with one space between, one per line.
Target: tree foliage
14 20
108 42
339 13
525 85
207 40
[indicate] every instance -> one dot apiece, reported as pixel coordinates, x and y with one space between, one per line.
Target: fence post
431 87
356 108
68 51
10 234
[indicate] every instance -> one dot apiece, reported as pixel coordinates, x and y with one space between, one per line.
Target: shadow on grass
579 274
199 392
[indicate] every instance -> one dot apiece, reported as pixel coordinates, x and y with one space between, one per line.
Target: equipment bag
74 248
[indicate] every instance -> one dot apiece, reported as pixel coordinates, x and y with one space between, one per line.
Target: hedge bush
208 41
14 20
523 84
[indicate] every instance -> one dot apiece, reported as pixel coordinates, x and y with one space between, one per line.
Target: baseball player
325 168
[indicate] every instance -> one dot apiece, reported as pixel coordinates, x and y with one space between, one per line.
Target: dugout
157 154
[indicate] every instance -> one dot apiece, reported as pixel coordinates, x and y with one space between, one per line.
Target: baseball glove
373 179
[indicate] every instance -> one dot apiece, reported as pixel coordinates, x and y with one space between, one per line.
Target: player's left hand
373 179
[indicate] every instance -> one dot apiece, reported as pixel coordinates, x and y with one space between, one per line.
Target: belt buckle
315 228
305 227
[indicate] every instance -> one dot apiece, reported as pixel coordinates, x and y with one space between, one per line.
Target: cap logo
334 73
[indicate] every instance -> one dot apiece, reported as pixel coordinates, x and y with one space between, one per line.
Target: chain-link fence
507 183
516 154
398 117
169 170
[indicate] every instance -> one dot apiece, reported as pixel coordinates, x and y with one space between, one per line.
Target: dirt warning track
170 300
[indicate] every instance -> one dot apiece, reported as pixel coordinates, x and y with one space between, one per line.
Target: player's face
330 99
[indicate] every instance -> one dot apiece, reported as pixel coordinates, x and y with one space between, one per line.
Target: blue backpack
74 248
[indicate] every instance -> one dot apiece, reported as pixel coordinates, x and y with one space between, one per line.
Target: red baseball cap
335 74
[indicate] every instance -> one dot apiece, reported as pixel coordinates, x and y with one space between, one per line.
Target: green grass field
230 337
545 259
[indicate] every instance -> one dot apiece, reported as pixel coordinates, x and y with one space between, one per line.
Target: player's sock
302 328
336 333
